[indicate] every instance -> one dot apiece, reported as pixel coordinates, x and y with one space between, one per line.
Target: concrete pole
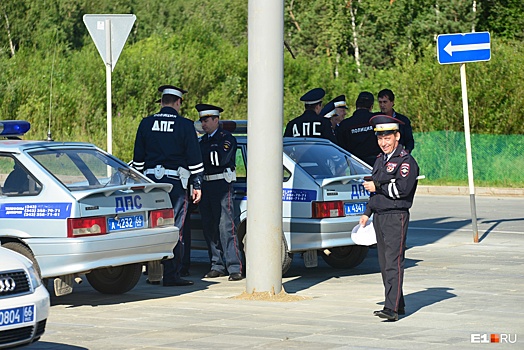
265 171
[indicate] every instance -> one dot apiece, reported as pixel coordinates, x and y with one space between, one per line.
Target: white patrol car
323 199
74 209
24 301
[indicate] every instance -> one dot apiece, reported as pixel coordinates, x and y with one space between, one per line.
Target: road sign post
462 48
109 33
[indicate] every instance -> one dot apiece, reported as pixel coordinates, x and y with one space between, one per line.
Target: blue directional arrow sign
463 47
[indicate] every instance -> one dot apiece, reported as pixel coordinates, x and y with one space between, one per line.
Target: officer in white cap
393 186
330 112
166 150
218 148
310 124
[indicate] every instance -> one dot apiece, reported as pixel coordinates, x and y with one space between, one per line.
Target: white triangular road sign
121 26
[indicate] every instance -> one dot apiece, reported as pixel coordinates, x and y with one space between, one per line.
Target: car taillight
332 209
86 227
163 217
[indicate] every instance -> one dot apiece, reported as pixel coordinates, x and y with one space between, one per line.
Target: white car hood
13 261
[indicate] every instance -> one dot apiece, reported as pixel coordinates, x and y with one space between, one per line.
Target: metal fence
498 160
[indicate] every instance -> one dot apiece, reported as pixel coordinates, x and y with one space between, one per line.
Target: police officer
329 112
310 124
218 148
166 150
393 187
355 134
386 101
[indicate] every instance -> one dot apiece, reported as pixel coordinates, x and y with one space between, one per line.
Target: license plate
354 208
17 315
125 222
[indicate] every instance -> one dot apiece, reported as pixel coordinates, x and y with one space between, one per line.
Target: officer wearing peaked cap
329 112
166 150
393 186
356 135
218 148
341 107
310 124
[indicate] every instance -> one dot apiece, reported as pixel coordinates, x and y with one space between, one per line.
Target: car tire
346 257
287 257
115 280
25 251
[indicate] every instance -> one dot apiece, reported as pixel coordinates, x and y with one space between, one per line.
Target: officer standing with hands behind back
393 186
167 151
218 148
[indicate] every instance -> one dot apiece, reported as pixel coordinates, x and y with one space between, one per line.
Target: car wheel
115 280
346 257
287 257
25 251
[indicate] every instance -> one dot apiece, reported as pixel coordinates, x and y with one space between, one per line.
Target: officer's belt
166 172
220 176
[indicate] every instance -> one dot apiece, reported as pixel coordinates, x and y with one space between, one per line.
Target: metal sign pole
108 87
468 152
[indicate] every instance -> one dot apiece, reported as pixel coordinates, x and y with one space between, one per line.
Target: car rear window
82 169
325 160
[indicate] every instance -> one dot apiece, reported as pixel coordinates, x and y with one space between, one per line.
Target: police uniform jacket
406 132
357 136
395 181
218 151
169 140
309 124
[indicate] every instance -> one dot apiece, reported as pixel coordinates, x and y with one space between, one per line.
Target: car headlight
35 278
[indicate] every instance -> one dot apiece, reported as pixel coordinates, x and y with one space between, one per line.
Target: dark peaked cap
364 95
340 102
329 110
313 96
384 124
206 110
172 90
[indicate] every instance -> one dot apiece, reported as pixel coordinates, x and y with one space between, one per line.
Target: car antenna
49 137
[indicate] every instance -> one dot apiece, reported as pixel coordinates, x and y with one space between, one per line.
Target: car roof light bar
14 127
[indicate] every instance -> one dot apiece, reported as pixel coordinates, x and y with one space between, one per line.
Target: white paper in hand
364 235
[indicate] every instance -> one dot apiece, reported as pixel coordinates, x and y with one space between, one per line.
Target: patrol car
75 210
323 199
24 301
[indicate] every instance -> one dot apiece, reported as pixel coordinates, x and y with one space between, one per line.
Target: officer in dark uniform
310 124
218 148
166 150
355 134
329 112
393 187
386 101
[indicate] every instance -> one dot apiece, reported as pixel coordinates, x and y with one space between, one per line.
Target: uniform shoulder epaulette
403 153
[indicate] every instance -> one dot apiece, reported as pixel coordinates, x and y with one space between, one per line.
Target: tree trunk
355 37
11 45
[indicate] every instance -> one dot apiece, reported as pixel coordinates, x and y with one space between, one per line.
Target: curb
464 190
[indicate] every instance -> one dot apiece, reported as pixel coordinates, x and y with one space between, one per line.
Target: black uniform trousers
391 229
219 227
179 201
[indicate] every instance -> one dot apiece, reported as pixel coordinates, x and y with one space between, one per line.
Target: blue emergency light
14 127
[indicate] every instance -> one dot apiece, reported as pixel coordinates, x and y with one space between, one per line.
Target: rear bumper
63 256
307 234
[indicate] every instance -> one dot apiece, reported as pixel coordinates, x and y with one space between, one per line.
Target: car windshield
82 169
325 160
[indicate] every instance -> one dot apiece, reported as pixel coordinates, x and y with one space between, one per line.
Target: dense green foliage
51 72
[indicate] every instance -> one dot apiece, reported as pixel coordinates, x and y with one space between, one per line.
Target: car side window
241 169
15 180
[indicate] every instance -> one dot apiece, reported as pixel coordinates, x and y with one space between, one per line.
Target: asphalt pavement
458 293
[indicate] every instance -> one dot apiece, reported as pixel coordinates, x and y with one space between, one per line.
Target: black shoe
401 311
180 282
235 277
152 282
387 314
214 274
184 273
